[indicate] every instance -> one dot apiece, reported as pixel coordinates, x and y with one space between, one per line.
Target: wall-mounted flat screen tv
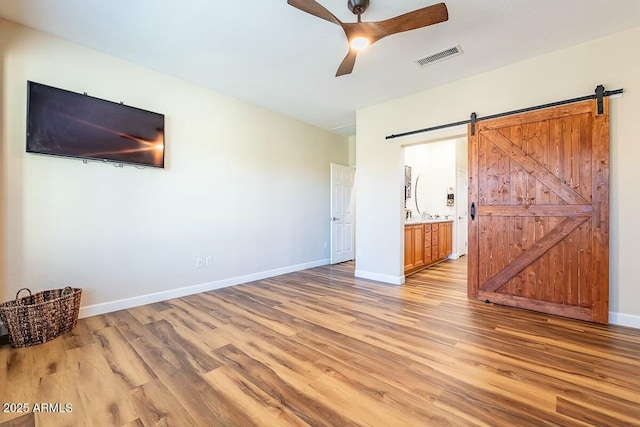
69 124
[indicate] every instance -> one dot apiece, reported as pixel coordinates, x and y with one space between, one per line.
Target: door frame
437 135
462 222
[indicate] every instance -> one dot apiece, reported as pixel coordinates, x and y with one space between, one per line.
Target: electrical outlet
208 261
199 262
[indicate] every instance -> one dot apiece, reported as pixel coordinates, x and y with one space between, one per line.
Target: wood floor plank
263 409
195 332
319 347
314 314
80 336
157 406
298 396
124 361
238 311
146 314
265 346
60 388
402 406
596 414
162 361
204 404
357 354
134 423
26 420
24 371
192 354
101 393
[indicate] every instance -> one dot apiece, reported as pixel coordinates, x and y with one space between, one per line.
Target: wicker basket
40 317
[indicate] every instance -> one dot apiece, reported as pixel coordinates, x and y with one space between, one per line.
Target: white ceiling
273 55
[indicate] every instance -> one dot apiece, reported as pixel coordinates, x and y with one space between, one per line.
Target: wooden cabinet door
413 248
408 249
449 236
539 194
418 245
442 240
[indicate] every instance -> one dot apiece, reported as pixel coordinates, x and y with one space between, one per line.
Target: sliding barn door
539 198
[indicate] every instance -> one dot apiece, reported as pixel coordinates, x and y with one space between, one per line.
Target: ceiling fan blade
349 61
420 18
412 20
314 8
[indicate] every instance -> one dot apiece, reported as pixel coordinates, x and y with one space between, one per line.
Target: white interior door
462 194
342 217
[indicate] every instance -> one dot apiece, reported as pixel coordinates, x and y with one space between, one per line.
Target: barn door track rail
599 95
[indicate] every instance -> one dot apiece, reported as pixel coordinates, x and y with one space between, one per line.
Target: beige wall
244 185
612 61
352 151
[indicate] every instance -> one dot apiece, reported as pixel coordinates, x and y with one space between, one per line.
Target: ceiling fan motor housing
358 7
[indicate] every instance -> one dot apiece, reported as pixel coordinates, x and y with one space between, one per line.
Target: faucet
407 214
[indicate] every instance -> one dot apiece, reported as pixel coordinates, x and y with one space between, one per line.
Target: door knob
333 218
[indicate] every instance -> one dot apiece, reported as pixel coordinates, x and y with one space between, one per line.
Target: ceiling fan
362 34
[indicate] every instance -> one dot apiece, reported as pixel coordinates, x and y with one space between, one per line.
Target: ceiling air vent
439 56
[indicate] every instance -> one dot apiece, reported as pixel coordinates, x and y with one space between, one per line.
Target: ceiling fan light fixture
359 43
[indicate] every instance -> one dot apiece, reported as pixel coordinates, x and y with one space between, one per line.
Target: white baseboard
623 319
394 280
111 306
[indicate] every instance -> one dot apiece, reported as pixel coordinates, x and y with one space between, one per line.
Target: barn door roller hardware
599 95
474 119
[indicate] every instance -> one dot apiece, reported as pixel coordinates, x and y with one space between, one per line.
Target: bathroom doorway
438 186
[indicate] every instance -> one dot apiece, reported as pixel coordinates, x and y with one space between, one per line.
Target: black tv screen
64 123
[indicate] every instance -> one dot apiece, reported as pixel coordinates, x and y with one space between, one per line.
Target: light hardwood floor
321 348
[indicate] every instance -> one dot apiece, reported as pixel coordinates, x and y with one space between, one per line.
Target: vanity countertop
426 221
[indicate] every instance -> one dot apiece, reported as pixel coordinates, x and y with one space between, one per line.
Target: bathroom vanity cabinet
426 243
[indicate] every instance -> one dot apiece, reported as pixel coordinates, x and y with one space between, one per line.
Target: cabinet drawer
435 253
427 239
435 238
427 228
435 227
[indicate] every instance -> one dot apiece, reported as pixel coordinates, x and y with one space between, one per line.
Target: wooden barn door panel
539 188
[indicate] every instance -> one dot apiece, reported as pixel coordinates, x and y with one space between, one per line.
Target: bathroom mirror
416 195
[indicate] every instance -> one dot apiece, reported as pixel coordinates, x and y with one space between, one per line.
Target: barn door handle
472 211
